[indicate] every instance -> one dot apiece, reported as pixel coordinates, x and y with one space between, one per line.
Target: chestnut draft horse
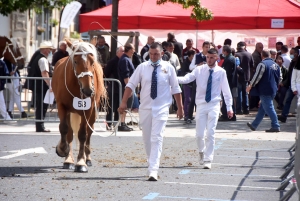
9 49
78 86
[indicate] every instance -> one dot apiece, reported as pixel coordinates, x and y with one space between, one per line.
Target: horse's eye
75 62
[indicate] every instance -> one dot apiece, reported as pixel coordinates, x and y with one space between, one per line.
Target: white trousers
206 119
3 107
14 97
152 129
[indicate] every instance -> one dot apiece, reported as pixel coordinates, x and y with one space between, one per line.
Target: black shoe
273 130
281 118
246 112
223 118
42 130
24 115
124 128
188 121
250 126
239 113
279 107
10 114
233 118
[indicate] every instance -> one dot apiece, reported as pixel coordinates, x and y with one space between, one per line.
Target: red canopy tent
228 14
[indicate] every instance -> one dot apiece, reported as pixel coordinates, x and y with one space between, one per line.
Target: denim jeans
289 98
266 107
242 99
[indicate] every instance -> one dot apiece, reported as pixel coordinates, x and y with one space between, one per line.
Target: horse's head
83 58
12 53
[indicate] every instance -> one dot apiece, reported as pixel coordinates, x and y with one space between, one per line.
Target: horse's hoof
80 168
61 155
69 166
88 163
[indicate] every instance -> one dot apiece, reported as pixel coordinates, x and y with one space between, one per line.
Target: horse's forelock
15 44
86 48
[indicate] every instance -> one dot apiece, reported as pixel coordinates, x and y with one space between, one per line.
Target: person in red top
189 46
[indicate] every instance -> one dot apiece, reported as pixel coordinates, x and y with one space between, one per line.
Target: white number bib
81 104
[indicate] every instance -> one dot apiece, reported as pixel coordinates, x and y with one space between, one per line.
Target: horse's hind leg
73 123
88 140
63 148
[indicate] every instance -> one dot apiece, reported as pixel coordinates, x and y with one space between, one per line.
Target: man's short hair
127 47
280 57
156 45
227 49
118 48
241 44
284 48
212 51
205 43
227 41
273 52
265 53
101 37
62 42
191 52
189 40
170 44
279 43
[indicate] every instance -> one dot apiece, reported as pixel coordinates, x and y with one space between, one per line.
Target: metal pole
114 27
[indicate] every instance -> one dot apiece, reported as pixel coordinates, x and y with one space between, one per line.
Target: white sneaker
153 176
207 165
201 158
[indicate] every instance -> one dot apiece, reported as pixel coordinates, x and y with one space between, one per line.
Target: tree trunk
114 27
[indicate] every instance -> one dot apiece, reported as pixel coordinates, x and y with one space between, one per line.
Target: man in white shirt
286 58
211 80
159 82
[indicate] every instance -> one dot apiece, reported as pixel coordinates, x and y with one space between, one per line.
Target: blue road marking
219 143
184 172
150 196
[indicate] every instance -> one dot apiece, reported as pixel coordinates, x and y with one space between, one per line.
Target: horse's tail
75 121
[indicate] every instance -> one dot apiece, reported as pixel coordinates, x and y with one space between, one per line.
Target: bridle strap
11 53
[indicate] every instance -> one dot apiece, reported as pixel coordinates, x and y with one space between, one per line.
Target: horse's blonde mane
85 48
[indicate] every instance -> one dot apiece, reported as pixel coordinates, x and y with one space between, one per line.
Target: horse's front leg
88 140
63 148
81 165
73 123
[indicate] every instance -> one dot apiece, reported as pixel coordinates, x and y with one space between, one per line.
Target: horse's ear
69 43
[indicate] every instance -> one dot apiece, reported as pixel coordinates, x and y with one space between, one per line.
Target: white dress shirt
167 84
175 61
286 60
219 83
43 64
295 80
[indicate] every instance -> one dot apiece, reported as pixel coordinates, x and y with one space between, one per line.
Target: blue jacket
268 84
3 72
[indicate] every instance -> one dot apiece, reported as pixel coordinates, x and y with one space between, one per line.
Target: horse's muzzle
87 92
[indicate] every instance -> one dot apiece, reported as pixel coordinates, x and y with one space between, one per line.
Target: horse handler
159 83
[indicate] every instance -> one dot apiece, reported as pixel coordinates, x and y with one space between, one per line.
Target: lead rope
11 53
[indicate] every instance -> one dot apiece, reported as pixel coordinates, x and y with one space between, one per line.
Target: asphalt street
247 165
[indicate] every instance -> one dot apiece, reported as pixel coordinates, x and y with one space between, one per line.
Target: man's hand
180 113
12 73
248 88
230 114
281 84
122 107
295 92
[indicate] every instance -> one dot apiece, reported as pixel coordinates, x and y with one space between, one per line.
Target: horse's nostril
87 92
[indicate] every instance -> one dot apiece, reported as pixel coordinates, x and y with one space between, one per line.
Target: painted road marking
220 173
252 157
219 143
21 152
151 196
218 185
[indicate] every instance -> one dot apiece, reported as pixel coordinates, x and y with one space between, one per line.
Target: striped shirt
260 69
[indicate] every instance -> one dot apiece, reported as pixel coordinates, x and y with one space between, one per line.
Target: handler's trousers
152 129
207 115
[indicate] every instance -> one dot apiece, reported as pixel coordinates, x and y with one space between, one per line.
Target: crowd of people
221 82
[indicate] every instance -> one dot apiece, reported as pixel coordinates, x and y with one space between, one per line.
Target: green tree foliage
199 12
8 6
